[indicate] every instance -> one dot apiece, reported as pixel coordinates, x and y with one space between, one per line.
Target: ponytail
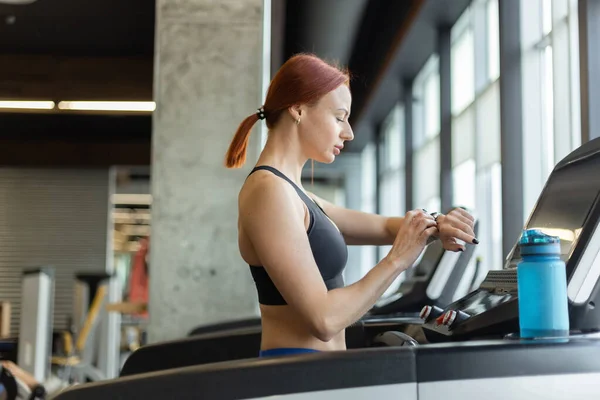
236 154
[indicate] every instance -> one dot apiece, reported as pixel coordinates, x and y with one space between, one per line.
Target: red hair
303 79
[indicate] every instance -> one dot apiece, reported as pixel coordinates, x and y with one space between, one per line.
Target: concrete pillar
211 71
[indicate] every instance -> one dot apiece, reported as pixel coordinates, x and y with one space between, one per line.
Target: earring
298 121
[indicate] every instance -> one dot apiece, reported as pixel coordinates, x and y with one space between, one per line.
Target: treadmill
568 207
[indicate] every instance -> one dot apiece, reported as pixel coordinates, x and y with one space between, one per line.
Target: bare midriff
282 327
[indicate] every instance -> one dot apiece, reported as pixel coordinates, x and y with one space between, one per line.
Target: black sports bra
326 242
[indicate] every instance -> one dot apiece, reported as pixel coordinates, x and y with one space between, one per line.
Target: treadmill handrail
262 377
200 349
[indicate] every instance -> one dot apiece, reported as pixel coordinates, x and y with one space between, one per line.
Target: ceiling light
27 105
134 106
21 2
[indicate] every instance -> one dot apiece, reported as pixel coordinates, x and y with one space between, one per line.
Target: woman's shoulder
265 194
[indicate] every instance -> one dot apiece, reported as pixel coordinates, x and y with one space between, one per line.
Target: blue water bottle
542 285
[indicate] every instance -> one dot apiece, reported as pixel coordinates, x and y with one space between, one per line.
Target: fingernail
475 241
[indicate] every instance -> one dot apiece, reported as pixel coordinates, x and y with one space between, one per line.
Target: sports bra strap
282 175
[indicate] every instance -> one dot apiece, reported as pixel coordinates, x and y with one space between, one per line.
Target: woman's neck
282 151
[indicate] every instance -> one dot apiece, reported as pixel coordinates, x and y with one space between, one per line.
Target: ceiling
327 28
78 27
76 49
111 44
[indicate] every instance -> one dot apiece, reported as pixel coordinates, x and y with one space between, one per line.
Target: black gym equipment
8 385
11 388
201 349
568 207
225 326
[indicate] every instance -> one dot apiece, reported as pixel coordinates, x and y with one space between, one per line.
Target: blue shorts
285 351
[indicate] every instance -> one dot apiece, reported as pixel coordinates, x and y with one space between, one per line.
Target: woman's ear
295 111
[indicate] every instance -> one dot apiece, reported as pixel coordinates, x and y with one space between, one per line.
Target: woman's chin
327 159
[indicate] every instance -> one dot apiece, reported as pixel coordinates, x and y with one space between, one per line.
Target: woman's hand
456 226
413 235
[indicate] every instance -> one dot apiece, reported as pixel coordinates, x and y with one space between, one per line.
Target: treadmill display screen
482 301
564 205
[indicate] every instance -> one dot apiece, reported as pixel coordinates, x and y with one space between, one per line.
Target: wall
55 217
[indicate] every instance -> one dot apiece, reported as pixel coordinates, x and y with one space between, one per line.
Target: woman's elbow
324 330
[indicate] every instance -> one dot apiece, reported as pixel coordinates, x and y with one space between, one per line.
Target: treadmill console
569 208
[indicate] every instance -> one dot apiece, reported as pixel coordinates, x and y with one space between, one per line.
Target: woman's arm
272 216
360 228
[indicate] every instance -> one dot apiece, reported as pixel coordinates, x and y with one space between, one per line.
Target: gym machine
35 331
79 358
568 207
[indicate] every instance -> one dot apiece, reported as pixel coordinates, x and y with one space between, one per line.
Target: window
551 115
463 177
427 175
462 63
476 126
548 112
368 160
463 158
391 178
391 174
426 141
431 99
493 39
489 213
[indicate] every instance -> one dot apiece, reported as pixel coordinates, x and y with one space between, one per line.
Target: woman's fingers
449 231
452 245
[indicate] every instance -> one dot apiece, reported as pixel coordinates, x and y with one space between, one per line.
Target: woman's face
324 127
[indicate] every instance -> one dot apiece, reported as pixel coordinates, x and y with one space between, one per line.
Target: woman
295 242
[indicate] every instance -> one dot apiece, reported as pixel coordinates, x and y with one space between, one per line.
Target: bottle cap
536 236
536 241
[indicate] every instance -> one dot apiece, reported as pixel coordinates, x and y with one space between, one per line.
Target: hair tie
261 113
